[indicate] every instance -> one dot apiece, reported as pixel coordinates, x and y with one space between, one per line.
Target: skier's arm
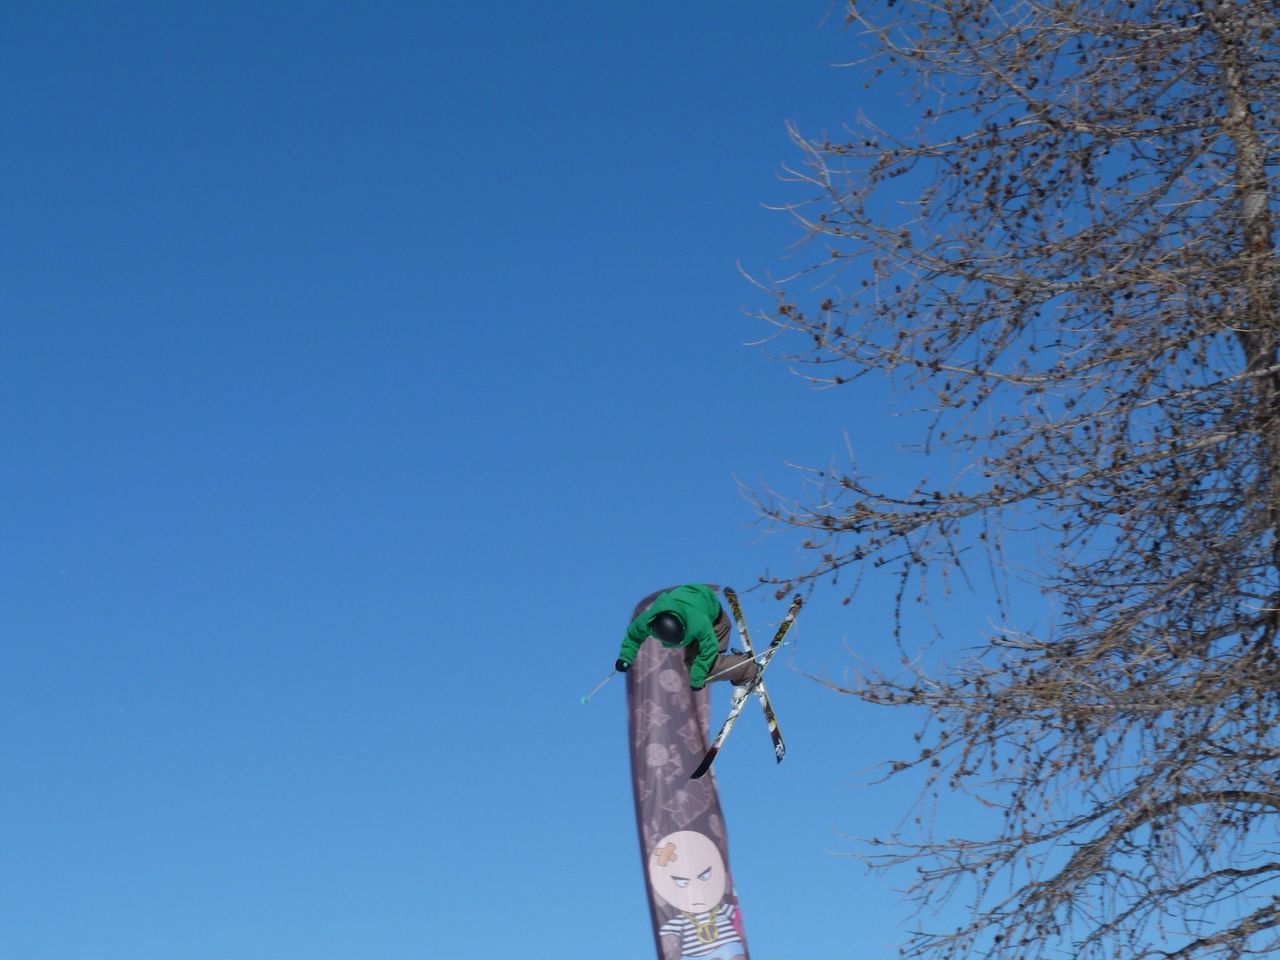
636 634
708 650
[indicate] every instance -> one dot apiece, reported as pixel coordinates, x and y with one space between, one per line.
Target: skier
690 616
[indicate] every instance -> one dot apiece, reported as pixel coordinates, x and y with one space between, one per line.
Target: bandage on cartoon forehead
687 871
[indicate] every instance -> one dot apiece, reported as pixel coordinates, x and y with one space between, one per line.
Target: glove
621 666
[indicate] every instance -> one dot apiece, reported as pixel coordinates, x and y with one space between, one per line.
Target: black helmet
667 628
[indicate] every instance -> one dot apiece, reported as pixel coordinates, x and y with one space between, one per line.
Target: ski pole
598 686
755 659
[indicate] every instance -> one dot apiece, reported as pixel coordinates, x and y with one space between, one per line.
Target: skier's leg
721 627
738 668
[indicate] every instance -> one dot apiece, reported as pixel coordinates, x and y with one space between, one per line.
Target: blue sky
361 365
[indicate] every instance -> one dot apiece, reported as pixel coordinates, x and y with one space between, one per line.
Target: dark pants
737 668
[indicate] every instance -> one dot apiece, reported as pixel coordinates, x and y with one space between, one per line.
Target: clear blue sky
361 365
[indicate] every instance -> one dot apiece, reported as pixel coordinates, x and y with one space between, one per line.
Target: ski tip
703 767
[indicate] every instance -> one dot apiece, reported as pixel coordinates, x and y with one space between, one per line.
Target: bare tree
1073 259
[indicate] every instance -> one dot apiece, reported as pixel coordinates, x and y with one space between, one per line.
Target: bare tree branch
1070 261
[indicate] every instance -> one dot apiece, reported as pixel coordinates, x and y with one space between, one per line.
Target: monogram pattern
668 728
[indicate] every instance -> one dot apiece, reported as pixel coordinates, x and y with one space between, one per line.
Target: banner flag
683 841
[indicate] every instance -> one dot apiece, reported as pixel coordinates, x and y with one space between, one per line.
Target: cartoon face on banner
687 871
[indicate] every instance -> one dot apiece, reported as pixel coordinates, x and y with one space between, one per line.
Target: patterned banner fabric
683 841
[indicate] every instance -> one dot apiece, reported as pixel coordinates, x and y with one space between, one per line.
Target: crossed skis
779 748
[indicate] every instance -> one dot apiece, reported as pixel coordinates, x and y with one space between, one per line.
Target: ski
736 708
779 748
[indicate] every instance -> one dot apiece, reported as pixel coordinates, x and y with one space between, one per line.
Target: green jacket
697 606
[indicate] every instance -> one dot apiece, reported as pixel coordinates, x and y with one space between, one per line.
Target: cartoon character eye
681 881
705 874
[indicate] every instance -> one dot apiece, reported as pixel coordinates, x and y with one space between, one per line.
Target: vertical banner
683 841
